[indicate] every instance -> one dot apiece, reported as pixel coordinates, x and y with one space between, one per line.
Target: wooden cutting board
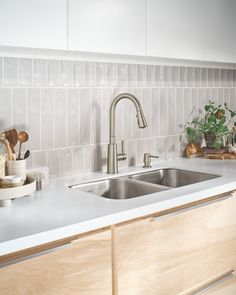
223 156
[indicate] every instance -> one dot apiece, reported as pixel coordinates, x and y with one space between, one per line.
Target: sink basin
121 188
172 177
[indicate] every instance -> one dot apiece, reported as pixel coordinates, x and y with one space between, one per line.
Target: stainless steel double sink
141 184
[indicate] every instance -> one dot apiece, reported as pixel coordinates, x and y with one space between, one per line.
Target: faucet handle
147 160
122 156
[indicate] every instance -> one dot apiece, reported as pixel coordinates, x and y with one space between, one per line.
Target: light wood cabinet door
82 268
176 253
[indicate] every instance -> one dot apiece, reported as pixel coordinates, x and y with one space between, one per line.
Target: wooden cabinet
83 267
34 23
109 26
177 253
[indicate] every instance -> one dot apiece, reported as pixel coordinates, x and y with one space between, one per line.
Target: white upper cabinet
175 28
108 26
220 30
34 23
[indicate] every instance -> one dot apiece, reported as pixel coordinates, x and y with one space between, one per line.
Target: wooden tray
8 194
220 156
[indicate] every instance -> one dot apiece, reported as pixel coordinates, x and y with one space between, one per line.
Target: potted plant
193 148
215 126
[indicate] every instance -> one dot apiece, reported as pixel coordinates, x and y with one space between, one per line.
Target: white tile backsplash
64 105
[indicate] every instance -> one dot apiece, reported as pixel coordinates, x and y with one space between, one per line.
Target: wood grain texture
227 287
84 268
172 254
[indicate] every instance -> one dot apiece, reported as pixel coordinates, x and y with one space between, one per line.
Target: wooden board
221 156
172 254
83 268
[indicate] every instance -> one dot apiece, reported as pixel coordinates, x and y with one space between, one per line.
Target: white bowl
11 179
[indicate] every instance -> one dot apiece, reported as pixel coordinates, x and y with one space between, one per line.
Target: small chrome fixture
147 160
112 156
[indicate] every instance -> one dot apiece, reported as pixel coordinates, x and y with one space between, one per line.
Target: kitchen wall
64 105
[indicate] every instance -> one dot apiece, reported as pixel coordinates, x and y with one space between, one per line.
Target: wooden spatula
11 136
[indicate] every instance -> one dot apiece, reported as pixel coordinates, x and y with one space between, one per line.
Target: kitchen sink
172 177
141 184
120 188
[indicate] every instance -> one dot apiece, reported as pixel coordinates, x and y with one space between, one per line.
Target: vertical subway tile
208 95
218 77
195 102
122 75
85 114
159 147
183 76
215 95
10 71
190 77
198 77
137 132
66 162
6 111
179 128
175 77
106 101
204 77
60 118
78 160
132 153
53 71
220 96
39 72
1 71
223 78
33 115
164 112
40 158
234 78
78 73
172 111
167 76
89 74
73 128
227 96
230 78
111 74
141 75
168 148
101 74
187 105
47 118
128 118
158 76
19 108
25 72
155 112
233 99
211 77
201 99
66 73
54 163
119 121
150 75
96 116
146 105
89 159
132 75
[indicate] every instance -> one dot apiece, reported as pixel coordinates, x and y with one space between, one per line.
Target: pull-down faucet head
141 119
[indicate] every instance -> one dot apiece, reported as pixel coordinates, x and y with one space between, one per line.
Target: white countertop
58 212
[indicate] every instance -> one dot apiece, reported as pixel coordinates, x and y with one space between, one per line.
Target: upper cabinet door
175 28
220 30
34 23
108 26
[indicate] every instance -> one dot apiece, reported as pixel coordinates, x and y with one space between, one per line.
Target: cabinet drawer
84 267
226 287
171 254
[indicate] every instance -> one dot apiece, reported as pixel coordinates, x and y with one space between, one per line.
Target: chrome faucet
112 156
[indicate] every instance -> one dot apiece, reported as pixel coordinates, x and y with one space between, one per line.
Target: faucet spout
113 157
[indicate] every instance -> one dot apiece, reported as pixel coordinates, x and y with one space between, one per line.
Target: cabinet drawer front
82 268
170 255
226 287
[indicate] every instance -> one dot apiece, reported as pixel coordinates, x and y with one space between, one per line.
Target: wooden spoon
11 136
22 137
